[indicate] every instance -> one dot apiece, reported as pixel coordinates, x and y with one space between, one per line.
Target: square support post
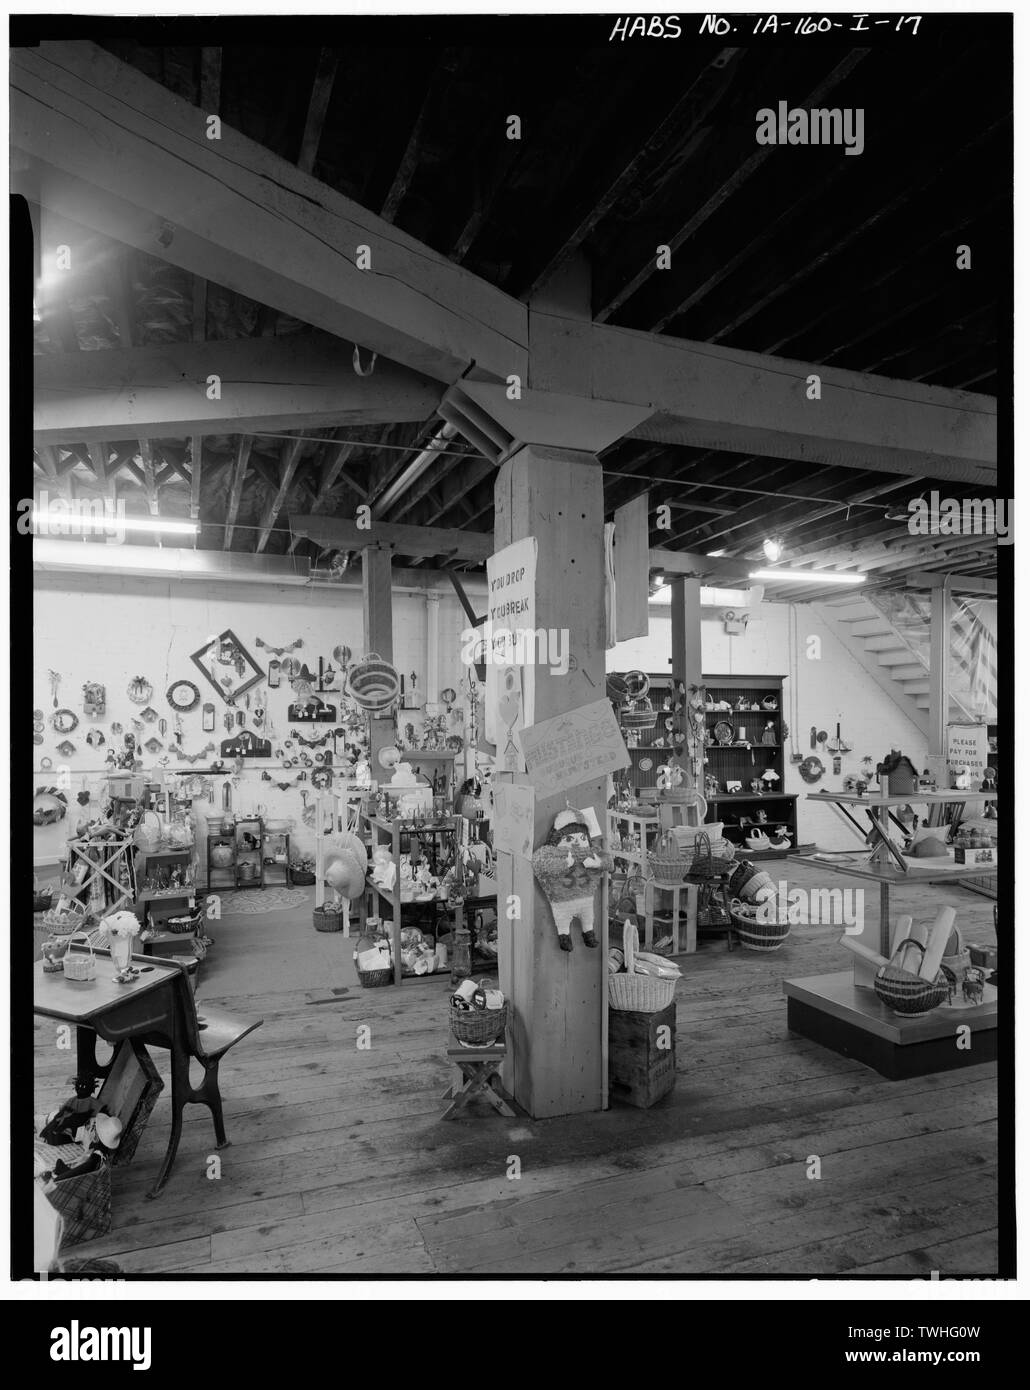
377 596
686 656
558 1057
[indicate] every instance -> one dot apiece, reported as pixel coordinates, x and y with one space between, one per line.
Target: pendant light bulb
772 549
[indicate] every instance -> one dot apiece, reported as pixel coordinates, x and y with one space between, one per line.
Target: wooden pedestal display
641 1056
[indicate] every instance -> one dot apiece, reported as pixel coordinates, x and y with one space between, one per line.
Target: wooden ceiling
847 262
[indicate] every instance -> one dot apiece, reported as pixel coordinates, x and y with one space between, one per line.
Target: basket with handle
667 862
372 979
640 715
147 835
479 1027
64 921
78 966
633 993
712 857
373 683
907 993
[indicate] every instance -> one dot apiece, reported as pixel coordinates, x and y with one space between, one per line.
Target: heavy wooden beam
98 461
957 583
146 458
196 470
719 398
340 534
302 381
318 105
288 467
683 562
239 472
122 154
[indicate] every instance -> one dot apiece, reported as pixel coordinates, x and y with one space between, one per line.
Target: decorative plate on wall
182 696
723 733
811 770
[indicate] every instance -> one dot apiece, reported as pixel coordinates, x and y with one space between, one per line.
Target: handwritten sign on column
511 821
574 747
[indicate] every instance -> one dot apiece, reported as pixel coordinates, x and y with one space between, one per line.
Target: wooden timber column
686 657
557 1056
377 596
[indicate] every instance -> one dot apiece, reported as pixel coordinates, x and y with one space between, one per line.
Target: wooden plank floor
340 1164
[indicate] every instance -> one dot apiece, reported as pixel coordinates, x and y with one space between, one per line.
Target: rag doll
569 868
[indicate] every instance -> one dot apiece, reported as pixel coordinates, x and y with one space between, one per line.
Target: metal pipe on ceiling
414 470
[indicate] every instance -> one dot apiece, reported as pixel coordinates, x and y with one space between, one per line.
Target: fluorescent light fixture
91 523
806 577
772 549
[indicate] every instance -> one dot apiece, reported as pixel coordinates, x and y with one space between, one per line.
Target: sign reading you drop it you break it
572 748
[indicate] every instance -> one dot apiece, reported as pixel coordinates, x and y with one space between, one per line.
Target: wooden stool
479 1067
684 918
706 891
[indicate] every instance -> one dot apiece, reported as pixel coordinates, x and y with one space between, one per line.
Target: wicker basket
328 918
371 979
300 878
633 993
184 924
757 935
78 966
67 921
711 857
747 879
479 1027
373 683
667 862
639 715
147 836
908 994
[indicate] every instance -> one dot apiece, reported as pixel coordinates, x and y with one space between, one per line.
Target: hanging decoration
49 805
55 681
208 718
65 721
183 696
185 757
228 666
147 715
95 738
66 748
569 869
153 745
279 651
140 690
94 700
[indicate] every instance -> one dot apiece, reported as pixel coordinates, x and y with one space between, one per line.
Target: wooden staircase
877 645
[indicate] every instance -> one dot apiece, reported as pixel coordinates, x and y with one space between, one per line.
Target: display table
840 1010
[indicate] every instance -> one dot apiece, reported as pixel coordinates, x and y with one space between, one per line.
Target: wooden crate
640 1069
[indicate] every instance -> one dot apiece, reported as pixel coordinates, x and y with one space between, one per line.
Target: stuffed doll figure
569 868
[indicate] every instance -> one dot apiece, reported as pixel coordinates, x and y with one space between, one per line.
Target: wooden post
377 593
559 998
940 633
686 656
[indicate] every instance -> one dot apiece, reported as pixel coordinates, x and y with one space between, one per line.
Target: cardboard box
976 857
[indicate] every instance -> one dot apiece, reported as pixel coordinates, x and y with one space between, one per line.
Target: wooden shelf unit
741 764
395 833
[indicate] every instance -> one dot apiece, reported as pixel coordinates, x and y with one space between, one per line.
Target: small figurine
973 985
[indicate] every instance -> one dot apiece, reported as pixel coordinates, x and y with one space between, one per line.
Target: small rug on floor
254 900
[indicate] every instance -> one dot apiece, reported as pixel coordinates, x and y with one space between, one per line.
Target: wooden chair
205 1039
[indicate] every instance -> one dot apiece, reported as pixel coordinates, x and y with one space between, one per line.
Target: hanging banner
511 821
572 748
507 643
967 748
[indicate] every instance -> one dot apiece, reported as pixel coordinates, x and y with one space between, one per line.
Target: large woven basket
67 921
479 1027
756 935
908 994
712 857
640 715
633 993
747 879
667 862
373 683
